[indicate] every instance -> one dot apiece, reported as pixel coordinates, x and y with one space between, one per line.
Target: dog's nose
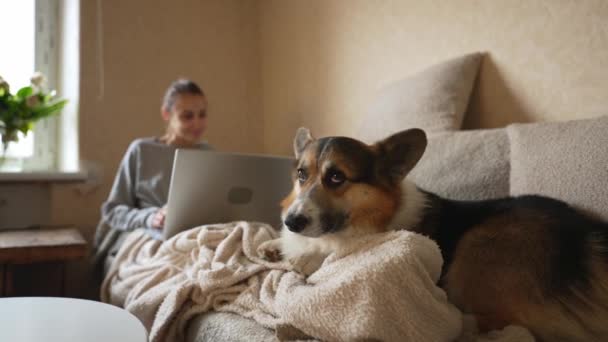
296 223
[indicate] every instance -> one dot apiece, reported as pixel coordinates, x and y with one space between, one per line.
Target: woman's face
187 119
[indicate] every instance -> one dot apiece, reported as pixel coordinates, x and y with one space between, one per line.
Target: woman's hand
158 221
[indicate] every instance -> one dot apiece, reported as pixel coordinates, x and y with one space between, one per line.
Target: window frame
46 61
51 19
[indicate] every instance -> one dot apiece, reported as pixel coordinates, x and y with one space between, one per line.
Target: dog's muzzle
296 223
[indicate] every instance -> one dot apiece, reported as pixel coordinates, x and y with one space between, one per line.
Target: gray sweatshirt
141 187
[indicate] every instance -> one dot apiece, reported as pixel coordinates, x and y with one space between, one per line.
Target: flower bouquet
19 111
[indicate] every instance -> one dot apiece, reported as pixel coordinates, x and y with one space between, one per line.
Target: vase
3 149
8 163
11 164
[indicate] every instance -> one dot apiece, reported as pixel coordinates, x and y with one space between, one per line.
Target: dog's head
343 184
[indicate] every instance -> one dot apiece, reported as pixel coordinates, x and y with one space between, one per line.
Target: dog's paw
270 250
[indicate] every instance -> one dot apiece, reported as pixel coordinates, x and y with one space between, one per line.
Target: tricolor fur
344 189
529 260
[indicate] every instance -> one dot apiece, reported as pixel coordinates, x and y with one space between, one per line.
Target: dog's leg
270 250
306 264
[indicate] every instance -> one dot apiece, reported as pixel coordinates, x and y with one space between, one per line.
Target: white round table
53 319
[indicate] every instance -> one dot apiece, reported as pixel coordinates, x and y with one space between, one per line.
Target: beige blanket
383 289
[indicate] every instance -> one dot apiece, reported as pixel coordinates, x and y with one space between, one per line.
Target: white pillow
465 165
567 160
434 99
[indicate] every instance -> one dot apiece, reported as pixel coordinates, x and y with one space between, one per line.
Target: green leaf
16 115
26 127
49 96
42 112
25 92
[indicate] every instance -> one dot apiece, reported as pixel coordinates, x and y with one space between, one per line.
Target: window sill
50 176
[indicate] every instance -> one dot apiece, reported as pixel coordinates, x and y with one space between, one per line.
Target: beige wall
145 46
323 60
273 65
270 66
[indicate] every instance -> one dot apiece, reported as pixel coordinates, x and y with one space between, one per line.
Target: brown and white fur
528 260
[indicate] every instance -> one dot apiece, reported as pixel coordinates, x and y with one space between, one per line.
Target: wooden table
33 319
53 247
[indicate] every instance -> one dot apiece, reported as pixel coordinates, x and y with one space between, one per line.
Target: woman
139 194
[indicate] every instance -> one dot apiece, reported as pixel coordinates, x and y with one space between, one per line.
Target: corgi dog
529 260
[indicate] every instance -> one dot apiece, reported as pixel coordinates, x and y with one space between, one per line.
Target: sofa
565 160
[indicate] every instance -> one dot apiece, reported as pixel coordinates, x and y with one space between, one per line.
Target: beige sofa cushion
467 165
565 160
434 99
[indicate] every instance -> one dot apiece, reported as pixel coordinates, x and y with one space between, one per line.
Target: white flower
37 79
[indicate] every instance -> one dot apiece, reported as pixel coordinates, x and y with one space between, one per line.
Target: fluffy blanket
382 289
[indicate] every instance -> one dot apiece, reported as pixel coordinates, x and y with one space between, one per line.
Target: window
43 36
17 18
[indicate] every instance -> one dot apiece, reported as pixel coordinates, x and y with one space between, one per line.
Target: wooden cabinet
33 261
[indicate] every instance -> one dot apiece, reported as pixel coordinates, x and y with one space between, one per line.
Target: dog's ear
302 139
399 153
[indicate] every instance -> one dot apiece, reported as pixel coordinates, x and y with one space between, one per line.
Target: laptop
212 187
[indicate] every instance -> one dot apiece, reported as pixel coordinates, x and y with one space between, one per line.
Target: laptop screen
213 187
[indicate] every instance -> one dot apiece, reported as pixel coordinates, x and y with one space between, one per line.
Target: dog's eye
337 178
302 176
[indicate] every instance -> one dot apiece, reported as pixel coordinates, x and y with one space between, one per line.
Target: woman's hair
179 87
